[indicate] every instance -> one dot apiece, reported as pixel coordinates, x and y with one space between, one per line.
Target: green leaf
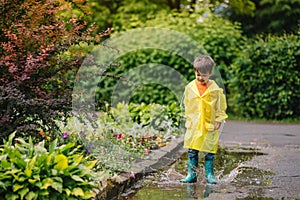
11 137
31 195
91 164
54 172
11 196
62 162
3 157
68 192
21 163
38 184
89 194
66 147
41 161
22 141
78 192
57 186
5 164
58 179
78 147
4 185
32 162
49 159
52 146
28 172
17 174
43 193
77 159
77 178
32 181
46 183
17 186
23 192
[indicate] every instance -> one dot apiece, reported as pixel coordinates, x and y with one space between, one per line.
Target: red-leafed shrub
35 83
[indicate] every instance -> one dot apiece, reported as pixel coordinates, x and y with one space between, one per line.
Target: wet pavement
281 145
257 161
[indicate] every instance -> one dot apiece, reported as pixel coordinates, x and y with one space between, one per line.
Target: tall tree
277 16
270 16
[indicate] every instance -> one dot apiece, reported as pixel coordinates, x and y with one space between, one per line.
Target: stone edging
159 159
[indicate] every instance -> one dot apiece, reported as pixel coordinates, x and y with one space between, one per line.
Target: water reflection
193 190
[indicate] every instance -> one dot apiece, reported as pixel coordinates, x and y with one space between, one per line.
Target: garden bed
159 159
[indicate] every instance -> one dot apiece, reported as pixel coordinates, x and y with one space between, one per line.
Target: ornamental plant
127 133
37 62
30 171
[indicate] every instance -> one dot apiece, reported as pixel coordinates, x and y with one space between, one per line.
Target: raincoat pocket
210 143
209 127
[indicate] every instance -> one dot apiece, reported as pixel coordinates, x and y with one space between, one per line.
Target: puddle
232 175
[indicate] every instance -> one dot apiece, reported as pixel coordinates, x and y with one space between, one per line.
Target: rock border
159 158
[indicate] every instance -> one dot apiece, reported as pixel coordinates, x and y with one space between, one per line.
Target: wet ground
231 172
255 161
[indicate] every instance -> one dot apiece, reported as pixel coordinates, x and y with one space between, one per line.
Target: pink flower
88 151
147 151
66 135
120 136
132 175
104 150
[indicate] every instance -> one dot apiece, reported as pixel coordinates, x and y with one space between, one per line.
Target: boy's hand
217 125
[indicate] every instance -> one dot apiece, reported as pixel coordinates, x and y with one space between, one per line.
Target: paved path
261 134
280 143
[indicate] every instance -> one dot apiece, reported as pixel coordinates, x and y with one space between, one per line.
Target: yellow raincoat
201 112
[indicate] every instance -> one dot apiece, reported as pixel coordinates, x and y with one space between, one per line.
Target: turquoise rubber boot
192 166
209 168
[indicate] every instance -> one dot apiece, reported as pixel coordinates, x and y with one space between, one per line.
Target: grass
263 120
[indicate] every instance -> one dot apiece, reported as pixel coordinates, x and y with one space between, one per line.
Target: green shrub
153 85
155 114
30 171
220 38
214 36
265 80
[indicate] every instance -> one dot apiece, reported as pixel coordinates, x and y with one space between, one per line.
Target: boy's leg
209 168
192 167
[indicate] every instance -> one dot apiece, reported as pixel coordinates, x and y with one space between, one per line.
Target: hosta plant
30 171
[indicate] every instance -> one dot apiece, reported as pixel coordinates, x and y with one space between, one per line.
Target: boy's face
202 78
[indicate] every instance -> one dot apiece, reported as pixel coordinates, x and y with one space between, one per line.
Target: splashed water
228 178
230 171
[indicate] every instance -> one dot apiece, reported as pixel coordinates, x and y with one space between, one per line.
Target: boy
205 106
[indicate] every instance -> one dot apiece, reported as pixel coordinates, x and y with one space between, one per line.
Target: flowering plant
116 140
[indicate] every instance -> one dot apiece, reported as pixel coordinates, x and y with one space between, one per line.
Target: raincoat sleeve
221 107
186 102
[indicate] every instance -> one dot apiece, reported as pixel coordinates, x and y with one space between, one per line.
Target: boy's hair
204 64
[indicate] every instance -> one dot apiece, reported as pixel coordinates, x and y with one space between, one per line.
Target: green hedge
214 36
220 38
265 80
260 75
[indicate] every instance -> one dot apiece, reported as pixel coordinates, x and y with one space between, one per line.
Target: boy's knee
192 153
209 156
